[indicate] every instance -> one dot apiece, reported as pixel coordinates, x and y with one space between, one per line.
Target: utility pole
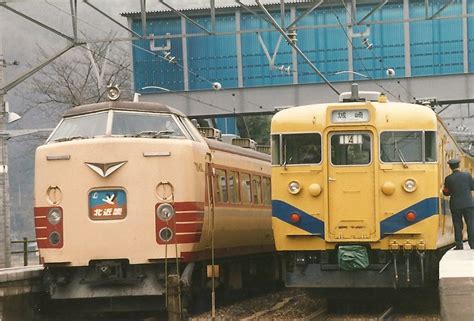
5 246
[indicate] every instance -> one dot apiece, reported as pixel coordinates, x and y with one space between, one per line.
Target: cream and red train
356 193
125 192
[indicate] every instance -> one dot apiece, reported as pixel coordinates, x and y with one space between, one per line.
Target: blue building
356 41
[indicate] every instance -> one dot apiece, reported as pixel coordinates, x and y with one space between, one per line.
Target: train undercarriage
116 285
385 269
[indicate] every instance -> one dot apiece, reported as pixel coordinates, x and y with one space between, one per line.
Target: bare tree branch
71 80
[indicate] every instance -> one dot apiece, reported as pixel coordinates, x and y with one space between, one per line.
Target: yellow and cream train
356 192
128 192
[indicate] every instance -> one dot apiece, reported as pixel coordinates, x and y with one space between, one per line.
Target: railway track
297 305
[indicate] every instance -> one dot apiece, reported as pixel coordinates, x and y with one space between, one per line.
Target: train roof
123 105
215 144
385 115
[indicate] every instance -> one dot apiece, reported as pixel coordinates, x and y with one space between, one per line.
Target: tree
73 80
256 127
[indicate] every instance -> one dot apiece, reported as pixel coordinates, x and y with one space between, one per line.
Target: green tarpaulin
352 257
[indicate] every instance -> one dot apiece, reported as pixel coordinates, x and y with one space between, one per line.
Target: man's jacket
459 185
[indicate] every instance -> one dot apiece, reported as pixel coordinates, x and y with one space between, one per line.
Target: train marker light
166 234
410 216
54 238
294 187
409 185
295 217
54 216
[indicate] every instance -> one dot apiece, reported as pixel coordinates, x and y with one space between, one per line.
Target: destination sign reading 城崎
350 116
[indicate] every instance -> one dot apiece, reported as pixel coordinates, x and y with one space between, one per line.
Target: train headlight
165 212
294 187
409 185
166 234
54 216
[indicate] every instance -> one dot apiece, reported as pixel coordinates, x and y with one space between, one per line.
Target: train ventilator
356 192
127 193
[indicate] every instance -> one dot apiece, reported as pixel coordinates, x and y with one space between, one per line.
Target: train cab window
221 186
257 189
275 148
301 148
351 149
430 146
401 146
245 188
146 125
267 192
233 183
84 126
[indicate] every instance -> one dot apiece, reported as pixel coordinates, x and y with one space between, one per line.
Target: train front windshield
123 123
84 126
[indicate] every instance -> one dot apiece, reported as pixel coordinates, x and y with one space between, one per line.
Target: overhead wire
362 63
358 56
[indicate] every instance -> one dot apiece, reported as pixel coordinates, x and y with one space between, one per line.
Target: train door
351 186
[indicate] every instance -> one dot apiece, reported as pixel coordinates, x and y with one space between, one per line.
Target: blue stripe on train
423 209
311 224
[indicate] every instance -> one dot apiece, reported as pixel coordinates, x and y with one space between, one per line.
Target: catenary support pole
4 184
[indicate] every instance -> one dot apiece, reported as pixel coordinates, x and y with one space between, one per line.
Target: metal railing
25 251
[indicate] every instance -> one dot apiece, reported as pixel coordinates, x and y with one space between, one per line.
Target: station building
409 49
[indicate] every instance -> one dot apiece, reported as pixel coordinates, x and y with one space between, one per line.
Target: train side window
257 189
301 148
275 148
430 146
221 186
233 183
401 146
267 191
245 188
351 149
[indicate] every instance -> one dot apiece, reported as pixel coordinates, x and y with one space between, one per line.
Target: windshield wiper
402 158
66 139
154 133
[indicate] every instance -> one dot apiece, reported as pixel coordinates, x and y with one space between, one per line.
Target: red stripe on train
190 217
188 206
188 238
188 227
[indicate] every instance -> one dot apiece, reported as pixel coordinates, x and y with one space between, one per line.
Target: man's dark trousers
458 214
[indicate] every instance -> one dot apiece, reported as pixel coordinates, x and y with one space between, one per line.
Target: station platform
456 285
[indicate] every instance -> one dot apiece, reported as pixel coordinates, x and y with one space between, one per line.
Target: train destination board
107 204
350 116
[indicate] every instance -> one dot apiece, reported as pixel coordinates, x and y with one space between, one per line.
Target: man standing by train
458 185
